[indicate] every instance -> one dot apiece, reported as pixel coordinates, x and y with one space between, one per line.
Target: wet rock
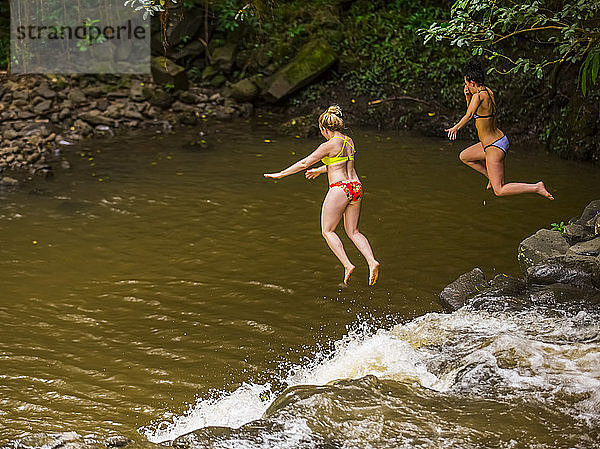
245 109
45 91
133 114
161 99
43 440
188 118
583 271
591 211
103 130
194 49
76 96
82 128
588 248
165 71
136 93
575 233
21 103
102 104
312 61
117 441
21 94
64 113
11 134
95 117
8 182
42 107
35 128
117 94
189 97
540 247
244 90
505 285
467 285
94 91
69 440
25 115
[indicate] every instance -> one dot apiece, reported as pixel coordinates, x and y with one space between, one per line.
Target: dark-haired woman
487 155
345 190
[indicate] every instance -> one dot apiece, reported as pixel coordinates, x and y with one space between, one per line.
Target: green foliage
589 69
560 227
4 52
489 27
169 86
226 12
89 38
386 39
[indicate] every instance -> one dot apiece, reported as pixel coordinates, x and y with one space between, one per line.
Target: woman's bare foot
373 273
541 190
347 272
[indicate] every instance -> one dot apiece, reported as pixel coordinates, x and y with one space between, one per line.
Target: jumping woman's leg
474 157
494 158
333 208
351 216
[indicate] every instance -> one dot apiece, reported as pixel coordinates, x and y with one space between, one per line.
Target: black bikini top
493 114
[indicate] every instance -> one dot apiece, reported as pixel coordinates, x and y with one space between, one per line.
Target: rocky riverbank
560 267
41 116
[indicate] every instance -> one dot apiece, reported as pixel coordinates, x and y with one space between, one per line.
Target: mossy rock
208 73
244 90
165 71
312 61
224 57
218 80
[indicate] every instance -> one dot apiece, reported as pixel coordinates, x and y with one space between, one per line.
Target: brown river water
155 289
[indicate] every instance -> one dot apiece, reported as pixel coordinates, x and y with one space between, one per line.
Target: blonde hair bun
335 110
332 118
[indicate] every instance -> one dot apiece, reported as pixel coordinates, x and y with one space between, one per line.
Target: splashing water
532 357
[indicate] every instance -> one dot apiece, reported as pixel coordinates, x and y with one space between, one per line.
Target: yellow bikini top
337 158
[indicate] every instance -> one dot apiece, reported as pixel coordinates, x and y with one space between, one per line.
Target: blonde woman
344 196
487 155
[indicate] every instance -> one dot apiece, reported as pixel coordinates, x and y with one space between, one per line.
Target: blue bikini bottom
501 143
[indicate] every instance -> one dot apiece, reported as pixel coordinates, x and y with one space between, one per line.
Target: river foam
551 360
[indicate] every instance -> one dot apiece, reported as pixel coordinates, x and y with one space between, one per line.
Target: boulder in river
591 211
578 270
575 233
312 61
70 440
540 247
467 284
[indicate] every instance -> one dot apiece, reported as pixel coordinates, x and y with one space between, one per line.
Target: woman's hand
312 173
452 132
273 175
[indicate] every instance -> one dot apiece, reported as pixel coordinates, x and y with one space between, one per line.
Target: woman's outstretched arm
314 172
302 164
473 105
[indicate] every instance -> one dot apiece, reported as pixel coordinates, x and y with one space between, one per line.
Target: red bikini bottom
353 189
